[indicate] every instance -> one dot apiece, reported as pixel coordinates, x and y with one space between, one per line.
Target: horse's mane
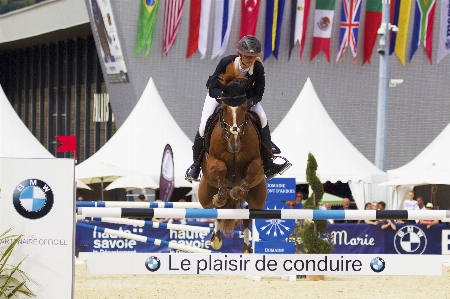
231 74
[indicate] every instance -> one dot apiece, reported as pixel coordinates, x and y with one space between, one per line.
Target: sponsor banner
274 247
37 199
166 179
406 239
100 242
280 189
108 40
348 239
263 264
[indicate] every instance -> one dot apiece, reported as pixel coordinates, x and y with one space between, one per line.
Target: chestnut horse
232 168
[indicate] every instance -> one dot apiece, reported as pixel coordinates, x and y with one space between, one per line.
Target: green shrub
307 233
13 281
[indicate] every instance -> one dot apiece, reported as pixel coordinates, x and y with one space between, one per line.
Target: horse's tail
228 225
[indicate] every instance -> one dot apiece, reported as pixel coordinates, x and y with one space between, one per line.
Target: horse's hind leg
256 200
247 247
240 191
216 237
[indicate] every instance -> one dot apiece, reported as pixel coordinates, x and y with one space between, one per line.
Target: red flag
194 27
371 25
249 17
172 17
68 144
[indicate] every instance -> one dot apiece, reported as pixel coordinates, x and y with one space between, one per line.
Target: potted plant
13 281
307 234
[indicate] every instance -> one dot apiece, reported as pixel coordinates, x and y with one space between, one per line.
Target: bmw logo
377 264
410 239
152 264
33 198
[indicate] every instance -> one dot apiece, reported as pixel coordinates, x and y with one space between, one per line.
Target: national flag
68 144
198 27
423 27
395 10
146 25
222 26
444 35
172 17
350 14
299 24
249 17
274 19
371 25
323 22
402 34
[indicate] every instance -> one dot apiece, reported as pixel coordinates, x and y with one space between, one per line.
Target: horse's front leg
216 237
218 171
240 191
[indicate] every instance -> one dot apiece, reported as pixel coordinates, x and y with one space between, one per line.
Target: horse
232 167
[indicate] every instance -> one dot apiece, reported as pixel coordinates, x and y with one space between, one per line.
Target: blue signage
281 189
275 230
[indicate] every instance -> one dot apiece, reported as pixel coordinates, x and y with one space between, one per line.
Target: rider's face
247 61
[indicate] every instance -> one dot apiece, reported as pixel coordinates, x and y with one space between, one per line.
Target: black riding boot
193 171
270 169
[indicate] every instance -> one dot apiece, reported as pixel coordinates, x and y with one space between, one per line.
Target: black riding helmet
249 45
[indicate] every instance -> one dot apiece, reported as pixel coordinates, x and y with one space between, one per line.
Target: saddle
254 120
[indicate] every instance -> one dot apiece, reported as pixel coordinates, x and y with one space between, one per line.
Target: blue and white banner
444 34
101 242
348 238
406 239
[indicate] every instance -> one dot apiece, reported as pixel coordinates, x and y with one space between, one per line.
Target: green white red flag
323 21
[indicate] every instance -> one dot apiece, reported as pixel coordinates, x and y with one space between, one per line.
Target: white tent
431 166
139 143
307 127
16 141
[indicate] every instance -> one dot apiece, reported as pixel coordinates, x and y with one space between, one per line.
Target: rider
250 65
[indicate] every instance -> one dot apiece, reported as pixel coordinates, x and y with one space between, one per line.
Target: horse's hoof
247 248
216 240
217 203
237 193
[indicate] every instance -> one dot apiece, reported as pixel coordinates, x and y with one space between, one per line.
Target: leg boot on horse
271 169
193 172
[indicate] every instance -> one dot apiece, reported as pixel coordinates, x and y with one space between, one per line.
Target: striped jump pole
180 227
137 204
144 239
443 215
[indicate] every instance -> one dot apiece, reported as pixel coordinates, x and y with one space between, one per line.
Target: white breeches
210 105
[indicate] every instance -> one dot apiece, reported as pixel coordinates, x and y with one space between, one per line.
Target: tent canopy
306 128
435 158
431 166
139 143
16 141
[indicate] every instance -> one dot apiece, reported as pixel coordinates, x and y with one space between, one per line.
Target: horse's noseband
232 130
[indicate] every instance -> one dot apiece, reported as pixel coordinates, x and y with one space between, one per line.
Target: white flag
221 38
300 15
204 24
444 35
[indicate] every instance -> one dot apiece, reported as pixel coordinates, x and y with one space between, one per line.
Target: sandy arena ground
200 287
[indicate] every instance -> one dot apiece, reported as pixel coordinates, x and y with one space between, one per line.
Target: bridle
238 130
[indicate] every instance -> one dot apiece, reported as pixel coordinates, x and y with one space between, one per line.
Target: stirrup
286 166
271 173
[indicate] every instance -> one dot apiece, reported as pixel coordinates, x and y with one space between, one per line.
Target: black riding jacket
257 84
